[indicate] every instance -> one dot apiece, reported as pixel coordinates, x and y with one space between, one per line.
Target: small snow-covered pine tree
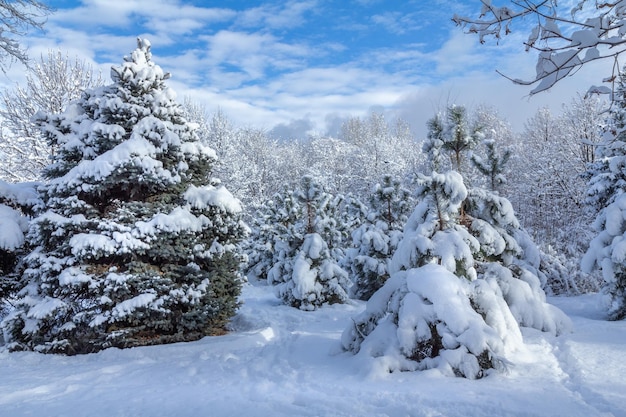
137 245
273 234
509 256
375 241
306 274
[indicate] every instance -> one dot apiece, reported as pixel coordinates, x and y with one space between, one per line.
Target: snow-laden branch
591 31
16 17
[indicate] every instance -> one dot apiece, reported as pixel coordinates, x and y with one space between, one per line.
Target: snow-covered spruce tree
138 246
375 241
606 194
307 275
607 252
461 285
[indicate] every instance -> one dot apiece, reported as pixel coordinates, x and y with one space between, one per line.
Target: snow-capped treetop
493 165
432 233
127 132
139 67
453 133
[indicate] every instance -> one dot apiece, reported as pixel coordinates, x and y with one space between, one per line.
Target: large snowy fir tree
138 244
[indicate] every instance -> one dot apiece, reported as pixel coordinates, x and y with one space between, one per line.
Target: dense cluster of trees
127 218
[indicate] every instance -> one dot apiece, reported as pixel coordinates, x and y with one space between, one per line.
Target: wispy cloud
276 16
396 22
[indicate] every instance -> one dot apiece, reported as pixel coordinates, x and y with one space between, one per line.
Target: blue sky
304 65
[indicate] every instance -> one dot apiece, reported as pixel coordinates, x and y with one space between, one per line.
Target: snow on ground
281 361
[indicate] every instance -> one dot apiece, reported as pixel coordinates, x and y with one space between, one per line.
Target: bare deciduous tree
51 84
16 17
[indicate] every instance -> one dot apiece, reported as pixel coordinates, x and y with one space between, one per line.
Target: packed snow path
280 361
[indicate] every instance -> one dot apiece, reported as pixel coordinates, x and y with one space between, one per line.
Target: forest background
348 148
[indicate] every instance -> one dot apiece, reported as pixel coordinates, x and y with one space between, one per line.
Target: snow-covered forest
372 273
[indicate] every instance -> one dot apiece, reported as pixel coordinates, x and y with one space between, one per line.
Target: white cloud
276 16
287 63
115 14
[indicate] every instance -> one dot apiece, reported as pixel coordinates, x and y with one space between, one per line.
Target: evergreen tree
607 174
273 234
433 312
493 166
306 275
137 245
606 251
314 277
456 134
375 241
606 194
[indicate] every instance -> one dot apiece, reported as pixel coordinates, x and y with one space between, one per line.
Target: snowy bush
136 246
564 275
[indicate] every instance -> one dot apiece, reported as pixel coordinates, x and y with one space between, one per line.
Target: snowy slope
281 361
